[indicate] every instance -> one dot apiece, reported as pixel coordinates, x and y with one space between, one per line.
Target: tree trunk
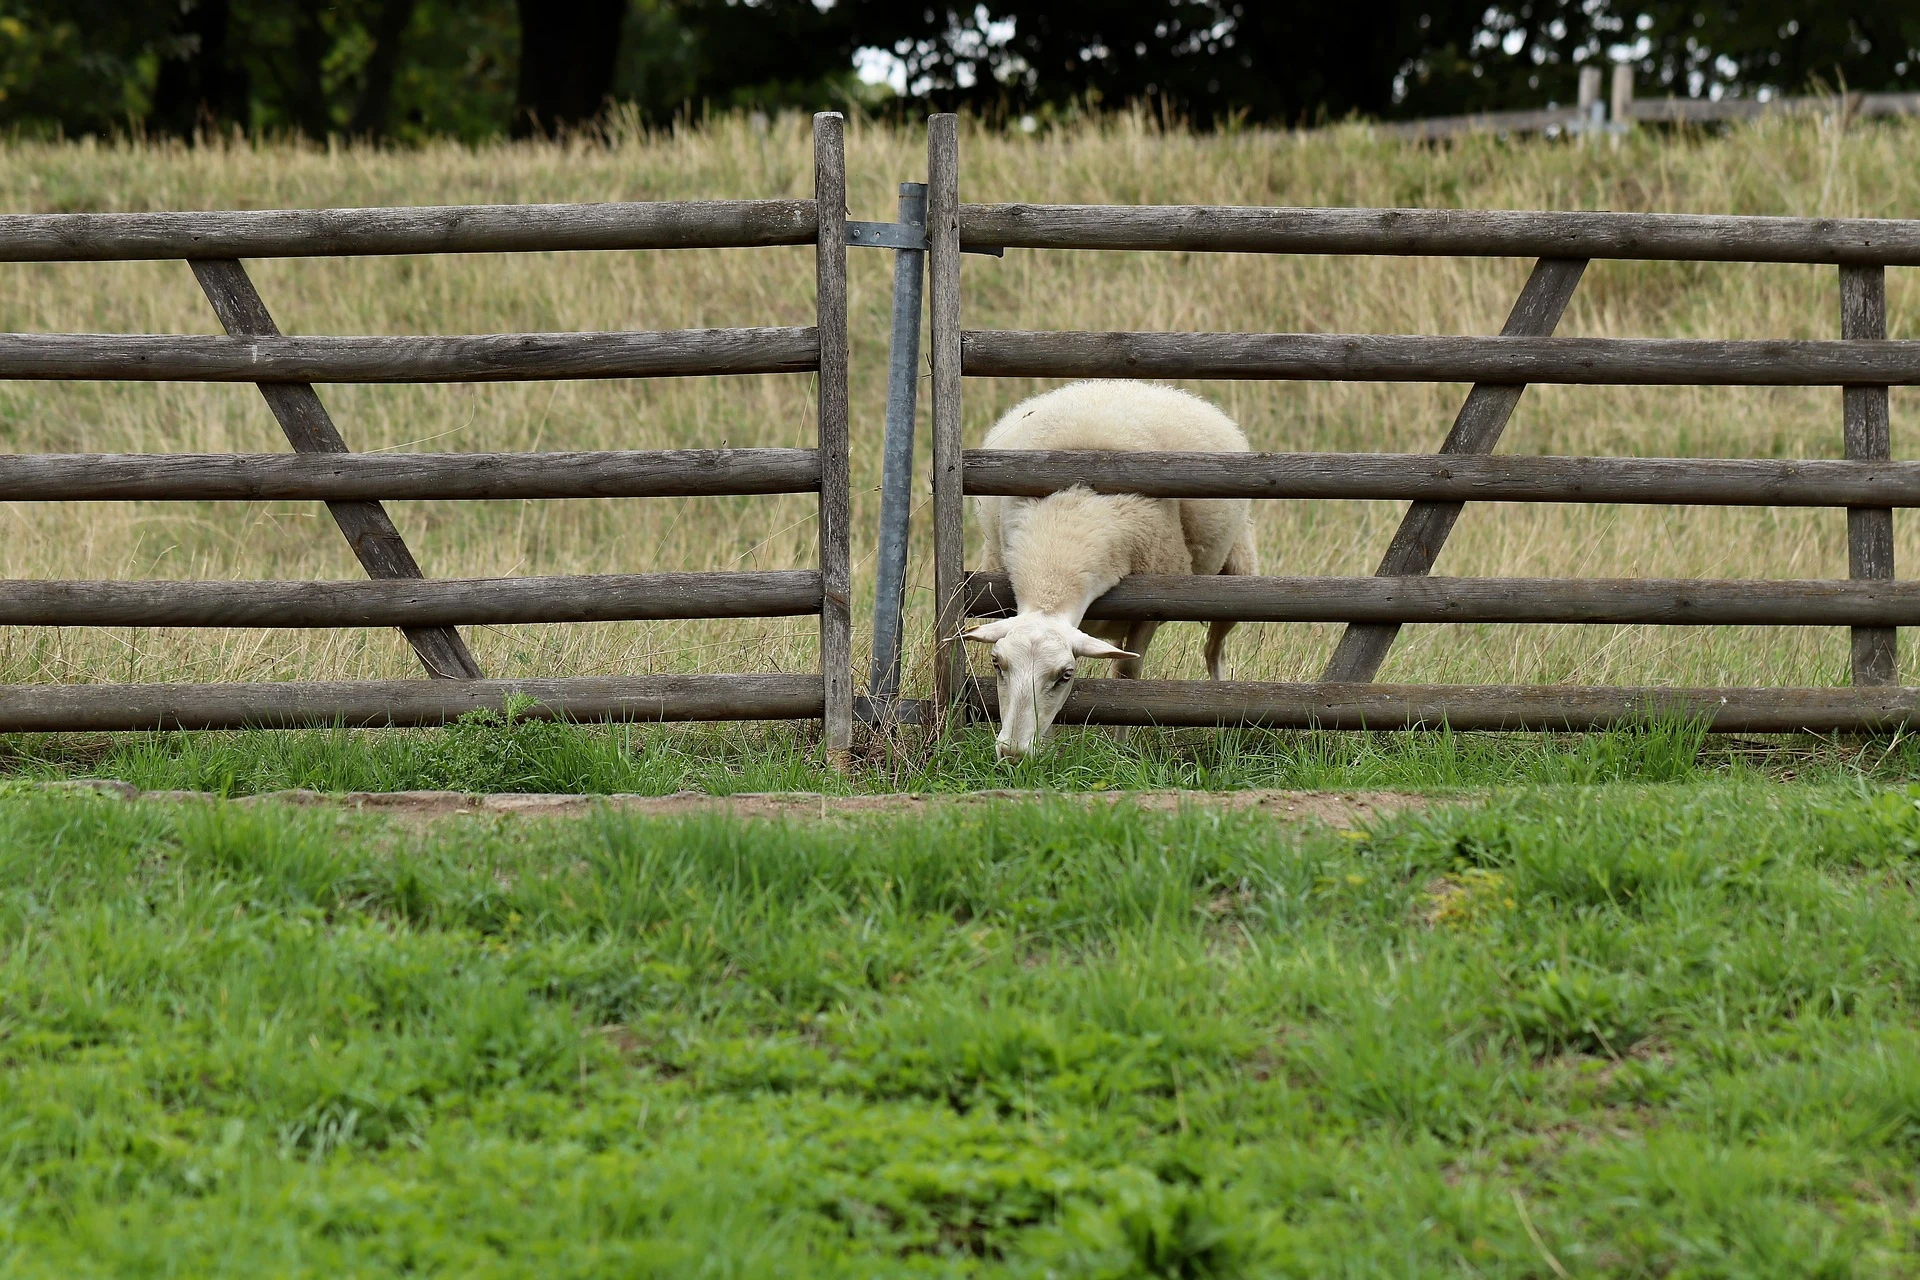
567 52
304 79
198 87
376 96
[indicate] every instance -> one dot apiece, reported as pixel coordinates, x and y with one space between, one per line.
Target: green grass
483 754
1649 1030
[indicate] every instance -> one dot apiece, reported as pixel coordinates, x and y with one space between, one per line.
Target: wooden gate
353 486
1437 485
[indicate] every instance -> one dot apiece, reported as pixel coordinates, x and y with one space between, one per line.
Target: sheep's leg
1139 636
1132 637
1240 562
1216 641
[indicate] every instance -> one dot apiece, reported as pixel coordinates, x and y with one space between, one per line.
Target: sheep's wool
1065 550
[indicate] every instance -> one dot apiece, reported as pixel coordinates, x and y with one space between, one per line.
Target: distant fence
1622 110
1862 361
353 486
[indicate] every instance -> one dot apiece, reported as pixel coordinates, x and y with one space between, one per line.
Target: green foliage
486 751
1884 821
411 69
1578 1010
1021 1040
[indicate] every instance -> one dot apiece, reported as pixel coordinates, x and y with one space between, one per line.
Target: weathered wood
1620 108
1338 357
1476 429
1660 601
1445 232
502 357
1868 434
371 534
365 477
484 228
1175 703
949 519
432 602
836 486
1437 128
1433 477
100 708
1709 111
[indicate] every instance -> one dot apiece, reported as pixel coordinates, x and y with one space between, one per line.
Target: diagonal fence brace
376 543
1476 429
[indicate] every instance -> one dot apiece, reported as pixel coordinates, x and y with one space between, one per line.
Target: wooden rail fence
1622 110
1867 483
428 611
1861 361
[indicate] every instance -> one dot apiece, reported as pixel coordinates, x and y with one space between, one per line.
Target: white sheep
1065 550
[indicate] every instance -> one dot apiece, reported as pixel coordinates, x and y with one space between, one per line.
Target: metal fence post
896 482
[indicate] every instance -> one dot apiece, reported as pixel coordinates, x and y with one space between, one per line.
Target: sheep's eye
1063 678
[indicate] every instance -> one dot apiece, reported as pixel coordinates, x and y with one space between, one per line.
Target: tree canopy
411 69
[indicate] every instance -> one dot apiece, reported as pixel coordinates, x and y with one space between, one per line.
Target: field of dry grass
1800 167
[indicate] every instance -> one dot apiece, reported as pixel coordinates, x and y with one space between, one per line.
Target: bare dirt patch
1335 808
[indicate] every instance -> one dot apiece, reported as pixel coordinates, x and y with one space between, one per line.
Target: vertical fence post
836 576
1592 109
1621 110
949 546
1869 438
896 480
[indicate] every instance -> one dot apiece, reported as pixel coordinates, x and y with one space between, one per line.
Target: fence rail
1461 233
1441 477
292 704
501 357
1403 599
429 602
1349 357
1709 111
334 233
1589 115
1362 706
362 477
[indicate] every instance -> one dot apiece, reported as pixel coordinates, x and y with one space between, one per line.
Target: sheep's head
1035 660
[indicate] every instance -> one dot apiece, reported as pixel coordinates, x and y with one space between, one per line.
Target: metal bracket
901 235
888 235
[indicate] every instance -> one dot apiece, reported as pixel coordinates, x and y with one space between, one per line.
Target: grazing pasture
1625 1004
1628 1031
1802 166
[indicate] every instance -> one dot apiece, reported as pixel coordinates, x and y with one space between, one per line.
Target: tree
567 54
370 114
78 66
198 84
411 69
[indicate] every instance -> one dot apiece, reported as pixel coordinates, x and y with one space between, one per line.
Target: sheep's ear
986 632
1086 646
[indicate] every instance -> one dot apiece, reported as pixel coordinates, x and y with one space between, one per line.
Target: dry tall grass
1784 167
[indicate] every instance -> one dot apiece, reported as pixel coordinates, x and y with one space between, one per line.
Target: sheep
1065 550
